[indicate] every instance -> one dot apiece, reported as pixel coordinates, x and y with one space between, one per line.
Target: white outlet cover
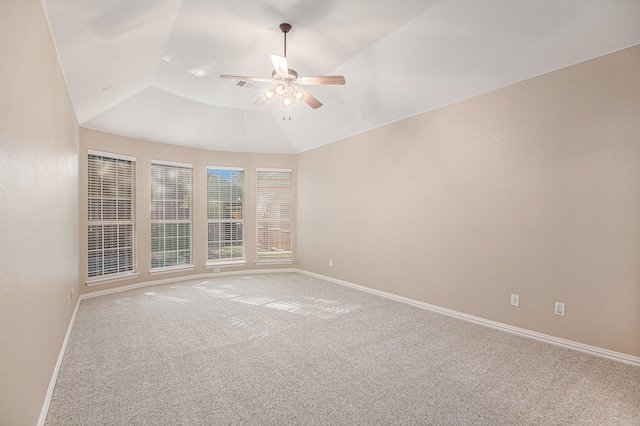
515 300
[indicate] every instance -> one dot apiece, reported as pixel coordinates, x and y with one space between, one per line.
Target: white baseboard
56 370
569 344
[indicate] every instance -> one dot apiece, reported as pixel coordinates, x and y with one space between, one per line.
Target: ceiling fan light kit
286 82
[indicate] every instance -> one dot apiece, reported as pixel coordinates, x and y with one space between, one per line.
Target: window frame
274 256
239 260
118 202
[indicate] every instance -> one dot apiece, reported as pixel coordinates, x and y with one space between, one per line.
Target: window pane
94 238
157 260
125 209
184 243
170 258
171 244
157 230
157 245
111 261
95 264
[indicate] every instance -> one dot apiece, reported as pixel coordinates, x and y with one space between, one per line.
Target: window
171 189
274 199
225 215
110 215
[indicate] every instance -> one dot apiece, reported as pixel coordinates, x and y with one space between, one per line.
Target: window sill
274 261
111 278
210 265
170 269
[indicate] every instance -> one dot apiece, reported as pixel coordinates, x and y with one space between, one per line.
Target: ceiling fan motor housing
292 77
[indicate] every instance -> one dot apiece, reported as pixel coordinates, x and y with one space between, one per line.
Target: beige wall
531 189
145 152
38 212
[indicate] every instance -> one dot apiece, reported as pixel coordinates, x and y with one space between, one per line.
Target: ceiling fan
286 82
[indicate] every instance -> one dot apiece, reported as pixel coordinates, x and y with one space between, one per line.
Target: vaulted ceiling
150 69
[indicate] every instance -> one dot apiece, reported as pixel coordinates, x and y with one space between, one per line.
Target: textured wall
38 212
531 189
145 152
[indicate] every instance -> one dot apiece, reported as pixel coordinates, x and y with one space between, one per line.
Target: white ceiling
150 69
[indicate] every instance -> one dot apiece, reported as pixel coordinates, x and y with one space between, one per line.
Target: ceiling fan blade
310 100
242 77
280 65
261 100
328 79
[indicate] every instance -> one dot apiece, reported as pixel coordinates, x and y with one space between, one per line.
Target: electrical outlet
559 309
515 300
330 262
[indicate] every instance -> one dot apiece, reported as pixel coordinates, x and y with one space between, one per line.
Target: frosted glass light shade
269 93
298 94
280 88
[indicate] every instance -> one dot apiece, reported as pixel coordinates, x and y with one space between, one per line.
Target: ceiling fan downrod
285 28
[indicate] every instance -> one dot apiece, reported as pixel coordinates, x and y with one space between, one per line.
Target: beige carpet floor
289 349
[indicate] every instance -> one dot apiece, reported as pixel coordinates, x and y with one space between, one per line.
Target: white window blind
225 214
274 218
111 215
171 220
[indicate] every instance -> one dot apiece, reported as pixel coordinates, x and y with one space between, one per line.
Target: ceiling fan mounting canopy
286 82
285 28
